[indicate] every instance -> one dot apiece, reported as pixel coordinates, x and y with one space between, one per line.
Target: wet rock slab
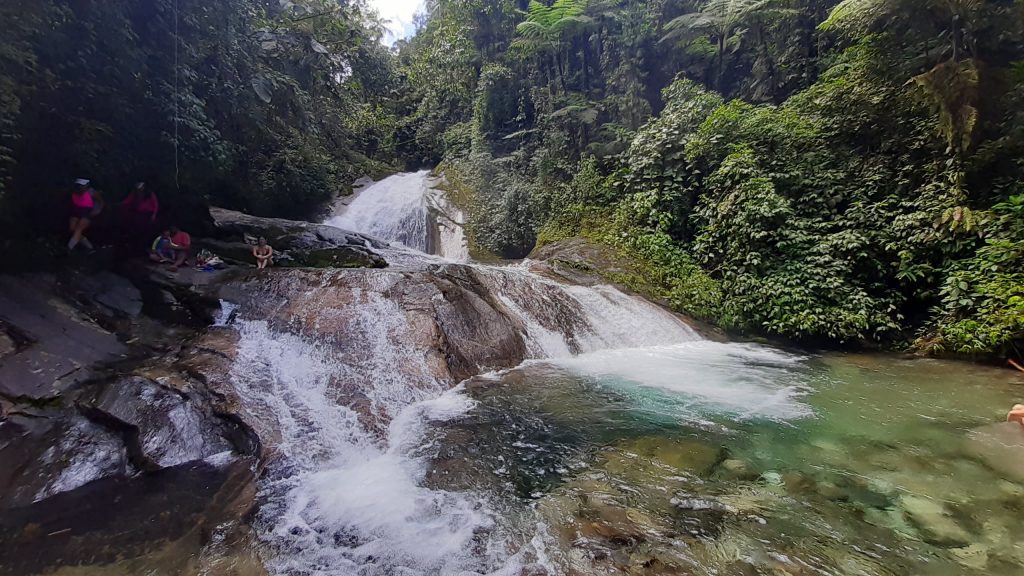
119 518
50 344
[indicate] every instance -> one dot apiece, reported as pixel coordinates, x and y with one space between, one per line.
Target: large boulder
430 329
297 243
161 427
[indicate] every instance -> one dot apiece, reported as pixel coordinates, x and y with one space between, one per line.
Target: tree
724 21
547 28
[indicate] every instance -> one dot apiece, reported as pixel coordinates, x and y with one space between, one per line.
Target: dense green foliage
814 170
840 172
275 106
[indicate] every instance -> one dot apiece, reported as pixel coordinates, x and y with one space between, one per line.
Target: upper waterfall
409 210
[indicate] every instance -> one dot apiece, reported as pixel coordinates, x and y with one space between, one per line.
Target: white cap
82 181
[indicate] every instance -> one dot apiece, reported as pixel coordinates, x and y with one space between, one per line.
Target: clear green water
731 459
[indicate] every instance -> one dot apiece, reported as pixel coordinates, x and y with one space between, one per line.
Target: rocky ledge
297 244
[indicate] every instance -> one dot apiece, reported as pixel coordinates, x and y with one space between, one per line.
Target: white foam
343 499
393 209
746 381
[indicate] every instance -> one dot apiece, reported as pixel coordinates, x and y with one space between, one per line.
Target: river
625 444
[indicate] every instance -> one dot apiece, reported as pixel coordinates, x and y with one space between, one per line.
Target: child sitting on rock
161 251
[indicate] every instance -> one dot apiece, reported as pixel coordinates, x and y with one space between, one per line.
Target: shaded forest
837 173
273 106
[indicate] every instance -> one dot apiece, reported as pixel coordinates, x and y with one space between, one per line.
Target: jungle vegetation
827 172
836 173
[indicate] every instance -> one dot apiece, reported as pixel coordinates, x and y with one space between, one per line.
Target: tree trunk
720 65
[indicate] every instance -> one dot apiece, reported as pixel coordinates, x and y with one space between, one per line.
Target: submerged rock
677 454
1000 447
934 521
736 469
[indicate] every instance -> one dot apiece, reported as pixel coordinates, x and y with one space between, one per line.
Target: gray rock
297 243
114 293
44 456
162 427
62 344
936 524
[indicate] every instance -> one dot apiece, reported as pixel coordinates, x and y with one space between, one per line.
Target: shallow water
710 458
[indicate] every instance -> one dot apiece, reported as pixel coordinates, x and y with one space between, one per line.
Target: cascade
346 493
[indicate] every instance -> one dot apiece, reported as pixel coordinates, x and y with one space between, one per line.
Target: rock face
586 263
441 326
50 344
119 436
296 243
126 466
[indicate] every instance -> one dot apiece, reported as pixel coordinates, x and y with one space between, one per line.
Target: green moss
464 197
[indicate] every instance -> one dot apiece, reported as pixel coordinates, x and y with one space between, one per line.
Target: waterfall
350 419
394 209
408 209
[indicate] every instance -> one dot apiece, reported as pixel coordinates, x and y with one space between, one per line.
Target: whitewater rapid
343 498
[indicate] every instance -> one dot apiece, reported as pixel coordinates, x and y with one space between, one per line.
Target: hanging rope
177 41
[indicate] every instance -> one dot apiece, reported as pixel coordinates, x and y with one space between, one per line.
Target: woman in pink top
139 210
83 206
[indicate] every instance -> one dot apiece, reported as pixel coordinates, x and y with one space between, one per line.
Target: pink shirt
142 205
82 199
181 240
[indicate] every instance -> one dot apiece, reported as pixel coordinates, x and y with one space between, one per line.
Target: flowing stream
624 444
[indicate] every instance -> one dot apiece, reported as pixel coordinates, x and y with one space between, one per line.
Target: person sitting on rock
161 251
263 253
1016 414
181 242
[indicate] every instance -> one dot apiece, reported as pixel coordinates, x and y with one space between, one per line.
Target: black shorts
81 212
